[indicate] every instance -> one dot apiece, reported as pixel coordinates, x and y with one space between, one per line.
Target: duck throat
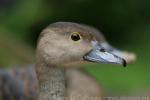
51 82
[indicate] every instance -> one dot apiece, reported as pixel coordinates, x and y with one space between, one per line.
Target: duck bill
128 56
100 54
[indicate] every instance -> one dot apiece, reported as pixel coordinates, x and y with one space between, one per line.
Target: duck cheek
87 47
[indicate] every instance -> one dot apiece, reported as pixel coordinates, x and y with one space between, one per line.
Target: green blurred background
125 23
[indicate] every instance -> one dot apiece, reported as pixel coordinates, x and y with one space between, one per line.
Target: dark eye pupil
75 37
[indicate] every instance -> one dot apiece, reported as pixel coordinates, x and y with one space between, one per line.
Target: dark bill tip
124 63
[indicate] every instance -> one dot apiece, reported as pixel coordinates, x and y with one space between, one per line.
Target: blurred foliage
13 51
113 17
125 23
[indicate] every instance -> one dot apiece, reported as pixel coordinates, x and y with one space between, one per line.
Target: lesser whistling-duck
62 46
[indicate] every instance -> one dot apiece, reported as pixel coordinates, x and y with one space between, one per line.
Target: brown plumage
18 84
57 56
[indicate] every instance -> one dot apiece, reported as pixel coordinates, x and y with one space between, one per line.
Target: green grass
119 80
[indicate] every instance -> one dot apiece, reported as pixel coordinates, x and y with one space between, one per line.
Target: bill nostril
102 50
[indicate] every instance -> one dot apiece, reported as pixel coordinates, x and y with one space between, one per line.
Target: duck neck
51 82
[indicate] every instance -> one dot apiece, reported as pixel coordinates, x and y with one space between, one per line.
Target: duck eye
75 36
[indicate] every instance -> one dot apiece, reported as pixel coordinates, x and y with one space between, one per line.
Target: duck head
65 42
130 57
